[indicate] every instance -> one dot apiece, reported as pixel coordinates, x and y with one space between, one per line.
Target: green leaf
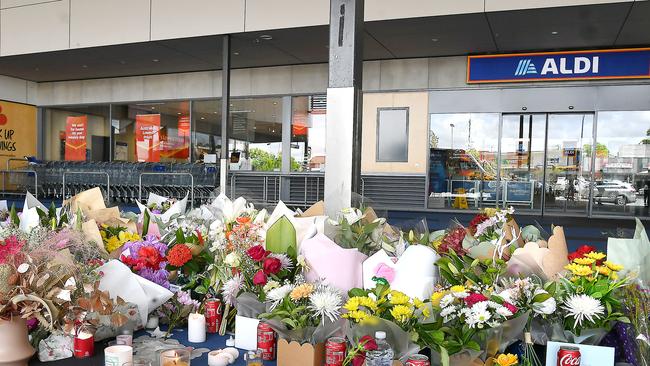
281 236
541 297
444 356
145 223
14 216
473 345
201 290
180 238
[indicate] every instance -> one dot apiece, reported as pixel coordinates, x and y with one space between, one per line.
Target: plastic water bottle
383 356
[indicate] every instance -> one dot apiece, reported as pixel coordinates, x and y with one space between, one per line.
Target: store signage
147 137
183 126
17 132
554 66
76 129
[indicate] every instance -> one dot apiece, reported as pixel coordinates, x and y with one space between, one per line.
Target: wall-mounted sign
553 66
17 132
76 130
147 137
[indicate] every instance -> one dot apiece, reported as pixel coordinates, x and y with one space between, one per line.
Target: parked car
617 192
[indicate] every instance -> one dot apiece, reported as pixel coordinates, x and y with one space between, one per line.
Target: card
589 355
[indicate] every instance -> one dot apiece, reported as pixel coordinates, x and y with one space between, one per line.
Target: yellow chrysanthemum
422 306
458 288
401 313
112 244
302 291
596 255
584 261
368 303
103 234
436 297
506 360
604 271
398 298
356 315
614 267
579 270
614 276
352 304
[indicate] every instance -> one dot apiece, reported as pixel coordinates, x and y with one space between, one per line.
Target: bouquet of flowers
147 258
303 311
362 229
176 311
114 237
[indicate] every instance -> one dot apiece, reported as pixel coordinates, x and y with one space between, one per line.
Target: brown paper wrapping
317 209
295 354
557 259
91 231
88 200
507 229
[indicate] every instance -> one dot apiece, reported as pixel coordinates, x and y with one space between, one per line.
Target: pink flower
385 272
513 309
9 248
475 298
260 278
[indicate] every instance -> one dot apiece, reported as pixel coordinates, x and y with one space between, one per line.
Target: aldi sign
553 66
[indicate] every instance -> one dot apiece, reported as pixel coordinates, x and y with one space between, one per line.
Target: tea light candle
196 328
118 355
177 357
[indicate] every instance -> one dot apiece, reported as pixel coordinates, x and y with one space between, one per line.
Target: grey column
225 114
286 147
344 105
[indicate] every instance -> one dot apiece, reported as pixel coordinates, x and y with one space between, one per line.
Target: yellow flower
368 303
614 276
507 360
604 271
401 313
420 305
579 270
112 244
596 256
398 298
436 297
584 261
490 212
301 291
356 315
103 234
614 267
458 288
352 304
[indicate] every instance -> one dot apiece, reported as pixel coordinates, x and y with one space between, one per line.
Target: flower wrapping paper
633 254
176 209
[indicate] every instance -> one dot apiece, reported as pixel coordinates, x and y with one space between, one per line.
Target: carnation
179 255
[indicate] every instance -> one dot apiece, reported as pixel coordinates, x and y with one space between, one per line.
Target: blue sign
553 66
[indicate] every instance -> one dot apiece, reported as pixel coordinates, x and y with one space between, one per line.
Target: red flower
272 266
453 241
368 344
199 236
513 309
583 251
476 221
260 278
149 257
257 253
475 298
179 255
10 247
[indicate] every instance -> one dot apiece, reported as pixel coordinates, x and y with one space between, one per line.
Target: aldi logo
554 66
525 67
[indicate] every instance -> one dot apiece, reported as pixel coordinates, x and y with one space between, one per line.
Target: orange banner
183 126
76 129
147 137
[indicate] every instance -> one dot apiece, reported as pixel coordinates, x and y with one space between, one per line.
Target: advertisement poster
76 129
183 126
17 132
147 137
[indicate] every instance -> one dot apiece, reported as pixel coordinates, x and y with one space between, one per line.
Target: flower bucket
15 349
296 354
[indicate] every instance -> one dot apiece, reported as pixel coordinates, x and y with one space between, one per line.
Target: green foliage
265 161
49 218
281 238
460 270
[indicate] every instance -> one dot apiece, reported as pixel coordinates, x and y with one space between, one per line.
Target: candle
84 345
118 355
175 357
152 322
196 328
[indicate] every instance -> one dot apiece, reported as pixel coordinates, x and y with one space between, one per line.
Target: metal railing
107 198
163 174
27 173
297 189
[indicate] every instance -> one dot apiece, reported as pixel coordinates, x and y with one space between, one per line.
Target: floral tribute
147 258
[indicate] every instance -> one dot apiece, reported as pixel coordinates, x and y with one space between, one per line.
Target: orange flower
179 255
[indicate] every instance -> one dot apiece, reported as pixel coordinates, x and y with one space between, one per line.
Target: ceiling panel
576 27
434 36
636 30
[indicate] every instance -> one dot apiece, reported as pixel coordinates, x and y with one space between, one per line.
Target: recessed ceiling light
266 37
236 53
84 66
155 60
555 33
275 103
215 112
179 113
153 107
434 39
202 117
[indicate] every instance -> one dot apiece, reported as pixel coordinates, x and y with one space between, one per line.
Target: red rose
259 279
272 266
369 343
257 253
475 298
513 309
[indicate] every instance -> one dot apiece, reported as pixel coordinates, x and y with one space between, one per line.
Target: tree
646 141
265 161
601 150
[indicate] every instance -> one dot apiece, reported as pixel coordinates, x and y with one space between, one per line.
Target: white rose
232 260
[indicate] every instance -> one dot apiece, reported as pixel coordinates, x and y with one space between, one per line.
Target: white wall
17 90
31 26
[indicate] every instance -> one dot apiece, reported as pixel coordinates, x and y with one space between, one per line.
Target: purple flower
185 299
160 277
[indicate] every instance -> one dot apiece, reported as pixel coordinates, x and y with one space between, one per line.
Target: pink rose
385 272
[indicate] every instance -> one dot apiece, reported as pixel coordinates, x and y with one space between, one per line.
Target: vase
15 349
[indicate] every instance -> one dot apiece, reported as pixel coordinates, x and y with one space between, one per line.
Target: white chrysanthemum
448 311
285 261
460 294
582 307
326 304
494 305
276 295
231 288
481 315
446 300
270 286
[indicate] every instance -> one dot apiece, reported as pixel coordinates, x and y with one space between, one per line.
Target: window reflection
622 158
462 164
207 130
308 123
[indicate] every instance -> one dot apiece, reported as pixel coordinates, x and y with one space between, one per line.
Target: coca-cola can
335 351
266 342
84 345
568 356
213 315
418 360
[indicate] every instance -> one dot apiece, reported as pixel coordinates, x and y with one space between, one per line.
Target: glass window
568 170
522 160
463 151
256 134
151 132
207 130
392 134
308 123
621 163
77 133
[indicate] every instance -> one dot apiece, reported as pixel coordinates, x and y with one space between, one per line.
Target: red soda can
213 315
335 351
568 356
84 345
266 341
418 360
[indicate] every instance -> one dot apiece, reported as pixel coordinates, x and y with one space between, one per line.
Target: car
616 192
